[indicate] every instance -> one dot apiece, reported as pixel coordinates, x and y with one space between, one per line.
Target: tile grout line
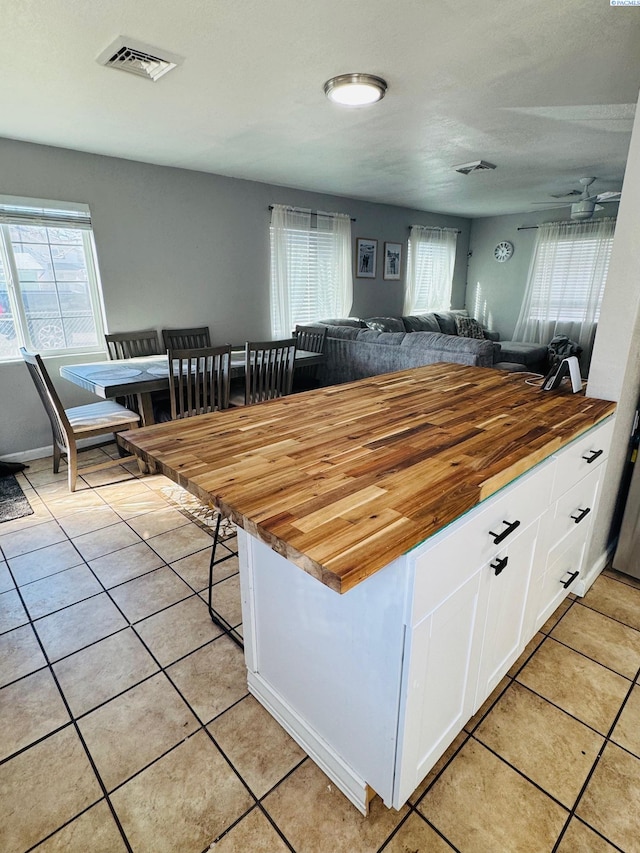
605 743
84 746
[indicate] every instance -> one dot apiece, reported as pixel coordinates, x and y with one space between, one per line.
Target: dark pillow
385 324
467 327
446 321
421 323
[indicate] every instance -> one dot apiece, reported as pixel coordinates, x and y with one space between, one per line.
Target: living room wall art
392 261
366 257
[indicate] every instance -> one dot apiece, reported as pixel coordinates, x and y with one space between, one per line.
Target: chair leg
72 462
216 617
56 456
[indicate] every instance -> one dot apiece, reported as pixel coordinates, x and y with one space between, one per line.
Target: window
310 268
430 262
49 296
566 282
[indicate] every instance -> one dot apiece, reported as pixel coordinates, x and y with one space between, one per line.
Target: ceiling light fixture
355 90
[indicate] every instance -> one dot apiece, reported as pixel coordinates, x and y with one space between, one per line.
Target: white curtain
430 262
566 282
311 275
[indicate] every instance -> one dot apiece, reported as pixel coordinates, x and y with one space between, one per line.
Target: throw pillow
385 324
469 328
421 323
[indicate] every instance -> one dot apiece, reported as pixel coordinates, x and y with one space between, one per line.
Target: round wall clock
503 251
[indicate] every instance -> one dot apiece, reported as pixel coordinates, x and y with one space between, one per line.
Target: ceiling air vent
476 166
140 59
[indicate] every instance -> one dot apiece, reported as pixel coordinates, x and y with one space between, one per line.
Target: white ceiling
545 90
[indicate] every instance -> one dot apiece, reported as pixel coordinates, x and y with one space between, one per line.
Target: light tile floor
126 724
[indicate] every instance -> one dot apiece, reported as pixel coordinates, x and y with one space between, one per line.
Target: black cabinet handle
581 514
572 577
499 564
593 455
500 537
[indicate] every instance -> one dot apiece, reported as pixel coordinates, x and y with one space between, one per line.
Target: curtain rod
568 222
312 212
438 228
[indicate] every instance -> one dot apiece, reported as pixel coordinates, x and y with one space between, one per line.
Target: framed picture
366 257
392 261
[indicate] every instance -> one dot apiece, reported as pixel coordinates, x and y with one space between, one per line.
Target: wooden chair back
311 338
174 339
133 344
268 369
199 380
102 418
60 426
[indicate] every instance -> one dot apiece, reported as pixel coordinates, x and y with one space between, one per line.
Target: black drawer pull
499 564
572 577
581 514
593 456
500 537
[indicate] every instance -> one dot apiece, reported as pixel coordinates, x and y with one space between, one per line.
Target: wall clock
503 251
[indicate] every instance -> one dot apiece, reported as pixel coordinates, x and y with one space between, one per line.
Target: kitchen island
401 539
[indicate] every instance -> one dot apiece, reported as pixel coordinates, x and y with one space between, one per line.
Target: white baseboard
343 776
590 575
42 452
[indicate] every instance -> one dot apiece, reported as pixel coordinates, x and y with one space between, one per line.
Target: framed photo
392 261
366 257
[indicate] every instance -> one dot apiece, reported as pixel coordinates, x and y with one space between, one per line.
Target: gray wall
181 248
495 290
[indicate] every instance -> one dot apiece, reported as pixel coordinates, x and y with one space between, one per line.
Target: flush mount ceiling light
355 90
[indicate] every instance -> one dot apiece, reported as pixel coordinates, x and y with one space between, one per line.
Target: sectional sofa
358 348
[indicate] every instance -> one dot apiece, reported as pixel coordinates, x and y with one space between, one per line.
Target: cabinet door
436 701
504 586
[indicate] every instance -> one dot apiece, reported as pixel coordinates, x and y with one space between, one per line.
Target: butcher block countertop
345 479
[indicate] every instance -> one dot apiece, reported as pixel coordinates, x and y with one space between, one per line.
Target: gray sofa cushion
388 339
385 324
520 352
421 323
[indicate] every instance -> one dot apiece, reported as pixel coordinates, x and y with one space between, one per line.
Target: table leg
145 407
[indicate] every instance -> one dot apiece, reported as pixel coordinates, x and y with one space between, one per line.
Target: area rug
13 503
204 516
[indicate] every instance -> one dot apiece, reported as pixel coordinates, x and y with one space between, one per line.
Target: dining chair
199 380
133 344
199 383
69 425
311 339
175 339
268 371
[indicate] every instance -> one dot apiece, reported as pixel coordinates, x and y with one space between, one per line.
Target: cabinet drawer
562 571
582 456
574 509
443 565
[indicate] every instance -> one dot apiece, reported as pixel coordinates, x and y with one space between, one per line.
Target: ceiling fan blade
553 203
608 196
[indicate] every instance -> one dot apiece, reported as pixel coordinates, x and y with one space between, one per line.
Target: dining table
142 376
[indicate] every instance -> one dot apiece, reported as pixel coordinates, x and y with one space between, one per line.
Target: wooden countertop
343 480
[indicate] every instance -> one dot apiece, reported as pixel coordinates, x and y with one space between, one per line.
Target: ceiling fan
587 203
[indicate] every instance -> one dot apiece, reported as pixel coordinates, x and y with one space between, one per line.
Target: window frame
41 213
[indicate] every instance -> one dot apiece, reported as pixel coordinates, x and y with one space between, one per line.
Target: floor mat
13 503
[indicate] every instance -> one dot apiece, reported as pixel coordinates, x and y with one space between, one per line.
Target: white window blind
566 282
310 268
430 264
49 291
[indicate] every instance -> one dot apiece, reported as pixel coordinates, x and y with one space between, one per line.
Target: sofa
356 349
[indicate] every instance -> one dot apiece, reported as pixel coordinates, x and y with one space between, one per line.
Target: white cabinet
505 585
376 683
565 527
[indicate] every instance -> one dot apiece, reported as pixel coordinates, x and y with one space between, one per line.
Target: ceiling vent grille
140 59
475 166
